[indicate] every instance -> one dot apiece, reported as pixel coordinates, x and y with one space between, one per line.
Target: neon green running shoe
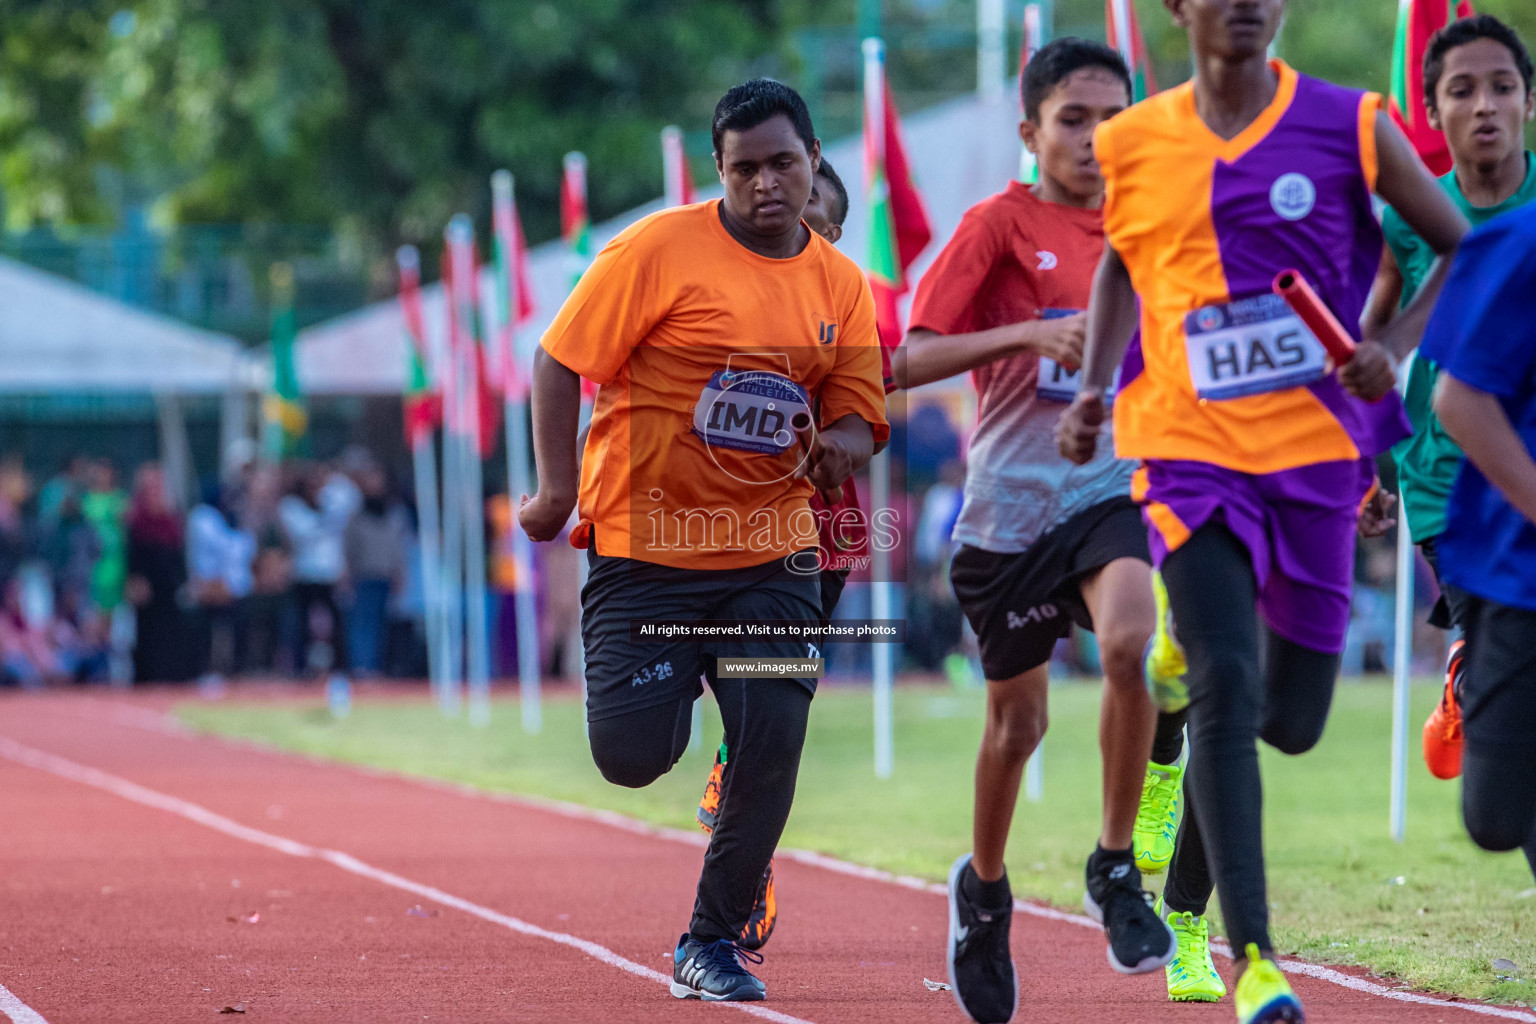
1263 994
1192 977
1165 664
1157 819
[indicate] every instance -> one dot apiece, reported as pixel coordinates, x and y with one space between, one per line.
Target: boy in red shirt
1043 543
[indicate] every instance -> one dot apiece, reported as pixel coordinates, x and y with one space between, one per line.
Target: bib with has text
1250 347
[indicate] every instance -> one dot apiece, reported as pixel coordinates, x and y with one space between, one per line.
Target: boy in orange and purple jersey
1256 455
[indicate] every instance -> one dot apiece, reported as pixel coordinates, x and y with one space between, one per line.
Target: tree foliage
380 118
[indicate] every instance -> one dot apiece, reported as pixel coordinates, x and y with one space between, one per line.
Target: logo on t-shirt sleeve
826 332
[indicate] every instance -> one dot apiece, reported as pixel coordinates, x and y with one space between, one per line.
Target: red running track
156 876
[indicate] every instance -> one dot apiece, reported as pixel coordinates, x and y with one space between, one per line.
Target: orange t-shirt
704 351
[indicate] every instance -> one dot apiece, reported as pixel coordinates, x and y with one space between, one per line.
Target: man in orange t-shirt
710 328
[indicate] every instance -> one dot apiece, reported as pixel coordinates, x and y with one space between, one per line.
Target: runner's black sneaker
980 965
713 972
1139 940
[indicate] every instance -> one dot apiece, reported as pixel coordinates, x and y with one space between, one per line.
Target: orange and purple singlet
1227 400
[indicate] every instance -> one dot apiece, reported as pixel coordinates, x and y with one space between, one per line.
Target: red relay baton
1293 288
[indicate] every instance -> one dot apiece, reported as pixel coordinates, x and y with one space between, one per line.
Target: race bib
1250 347
749 411
1059 384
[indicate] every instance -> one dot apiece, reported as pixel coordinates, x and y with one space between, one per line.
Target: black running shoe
980 966
1139 940
713 972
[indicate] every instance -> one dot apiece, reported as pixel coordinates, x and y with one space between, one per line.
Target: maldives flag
575 225
898 225
1417 21
1030 43
480 414
1124 34
576 230
514 295
679 183
423 404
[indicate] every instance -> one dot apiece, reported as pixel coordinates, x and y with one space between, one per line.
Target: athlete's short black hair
837 210
751 103
1059 58
1469 30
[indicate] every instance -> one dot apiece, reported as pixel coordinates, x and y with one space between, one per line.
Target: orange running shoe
765 909
765 914
1443 740
709 806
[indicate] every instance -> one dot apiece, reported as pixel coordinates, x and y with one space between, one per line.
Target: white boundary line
164 722
18 1011
121 787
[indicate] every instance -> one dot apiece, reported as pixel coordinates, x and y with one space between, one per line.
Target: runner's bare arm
843 449
926 356
1111 322
1386 295
1476 420
556 413
1404 183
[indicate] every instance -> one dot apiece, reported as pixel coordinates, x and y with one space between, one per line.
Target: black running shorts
1450 611
1021 603
627 674
1498 691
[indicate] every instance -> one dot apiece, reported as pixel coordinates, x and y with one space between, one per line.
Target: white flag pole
879 467
461 241
1402 670
504 204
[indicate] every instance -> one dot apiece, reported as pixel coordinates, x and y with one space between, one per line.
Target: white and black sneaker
1139 940
980 965
713 972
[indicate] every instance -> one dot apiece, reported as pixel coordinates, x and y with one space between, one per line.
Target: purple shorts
1299 527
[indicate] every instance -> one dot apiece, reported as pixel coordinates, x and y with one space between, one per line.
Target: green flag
283 409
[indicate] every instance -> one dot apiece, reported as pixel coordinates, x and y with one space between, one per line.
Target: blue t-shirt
1483 333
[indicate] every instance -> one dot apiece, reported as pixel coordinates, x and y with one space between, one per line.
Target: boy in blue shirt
1483 336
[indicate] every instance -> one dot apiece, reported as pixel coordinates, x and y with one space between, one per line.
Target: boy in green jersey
1477 88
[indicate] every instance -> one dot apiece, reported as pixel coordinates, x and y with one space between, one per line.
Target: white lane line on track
127 714
121 787
18 1011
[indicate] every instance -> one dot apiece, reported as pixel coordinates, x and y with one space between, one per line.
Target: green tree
380 119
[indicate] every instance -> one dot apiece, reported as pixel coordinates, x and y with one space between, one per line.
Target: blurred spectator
157 573
376 542
271 622
503 586
27 656
15 541
934 620
220 564
105 508
68 484
71 548
314 518
82 639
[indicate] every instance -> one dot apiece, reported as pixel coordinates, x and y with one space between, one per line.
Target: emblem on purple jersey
1293 195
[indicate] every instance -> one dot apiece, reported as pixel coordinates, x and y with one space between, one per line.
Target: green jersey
1427 462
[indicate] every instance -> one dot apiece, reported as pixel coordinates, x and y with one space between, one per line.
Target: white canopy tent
961 152
59 337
